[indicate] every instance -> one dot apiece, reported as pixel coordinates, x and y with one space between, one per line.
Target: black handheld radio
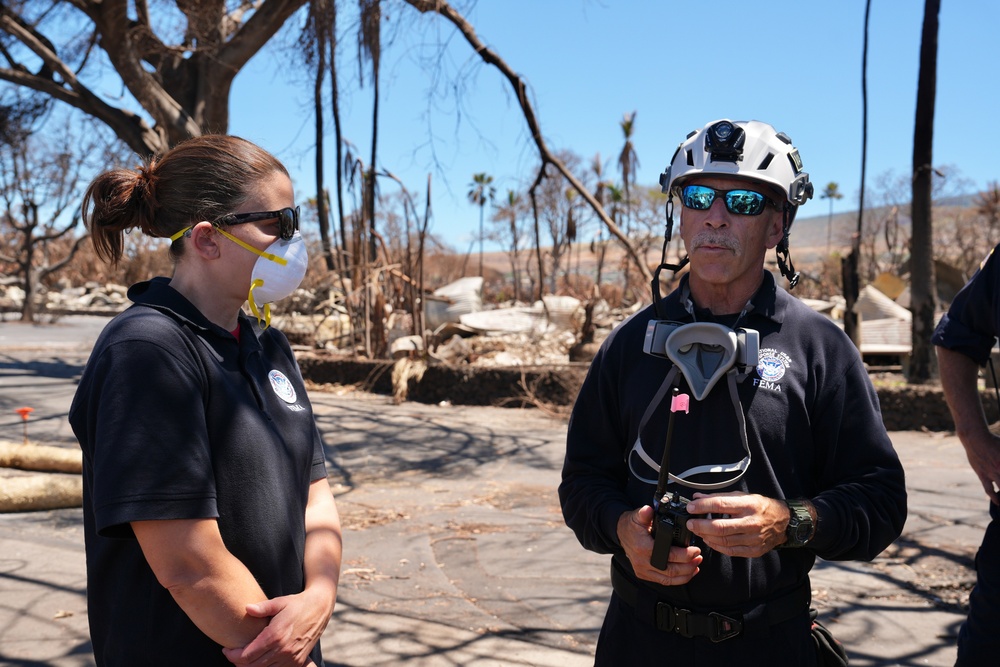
670 522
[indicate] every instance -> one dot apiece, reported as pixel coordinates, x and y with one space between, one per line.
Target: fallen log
28 493
43 458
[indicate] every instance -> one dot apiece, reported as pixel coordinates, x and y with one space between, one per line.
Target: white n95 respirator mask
278 272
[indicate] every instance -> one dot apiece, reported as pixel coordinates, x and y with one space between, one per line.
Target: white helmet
746 149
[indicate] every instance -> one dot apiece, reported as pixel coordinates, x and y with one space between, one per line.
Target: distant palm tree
481 190
616 197
511 211
597 167
628 160
832 192
598 246
571 230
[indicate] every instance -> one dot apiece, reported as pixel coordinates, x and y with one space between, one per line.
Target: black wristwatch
800 524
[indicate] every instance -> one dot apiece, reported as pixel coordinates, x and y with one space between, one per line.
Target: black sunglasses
288 220
739 202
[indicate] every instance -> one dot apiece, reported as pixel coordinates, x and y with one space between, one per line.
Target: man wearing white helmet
710 560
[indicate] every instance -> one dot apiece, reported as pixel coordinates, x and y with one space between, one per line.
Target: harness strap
738 467
718 626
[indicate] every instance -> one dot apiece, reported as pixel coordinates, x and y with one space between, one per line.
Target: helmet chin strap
655 283
781 250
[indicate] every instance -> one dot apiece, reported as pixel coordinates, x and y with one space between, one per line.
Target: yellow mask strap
180 234
264 321
266 255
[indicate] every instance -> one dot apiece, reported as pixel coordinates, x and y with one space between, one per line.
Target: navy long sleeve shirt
814 431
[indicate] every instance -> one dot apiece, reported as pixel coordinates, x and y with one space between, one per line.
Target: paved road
455 551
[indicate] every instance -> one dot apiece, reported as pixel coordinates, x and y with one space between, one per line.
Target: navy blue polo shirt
972 322
179 420
814 431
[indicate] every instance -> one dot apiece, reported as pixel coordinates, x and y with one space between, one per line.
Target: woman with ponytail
212 535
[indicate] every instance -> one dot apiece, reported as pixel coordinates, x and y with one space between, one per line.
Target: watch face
802 532
800 524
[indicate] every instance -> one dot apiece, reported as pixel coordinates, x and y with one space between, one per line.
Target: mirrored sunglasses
738 202
288 220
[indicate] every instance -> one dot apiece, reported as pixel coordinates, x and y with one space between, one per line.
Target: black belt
716 625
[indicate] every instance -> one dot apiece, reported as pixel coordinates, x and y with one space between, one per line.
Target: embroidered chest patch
283 389
771 367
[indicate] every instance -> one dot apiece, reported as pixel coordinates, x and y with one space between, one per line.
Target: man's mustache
714 239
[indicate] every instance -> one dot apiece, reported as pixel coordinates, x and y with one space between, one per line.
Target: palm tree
317 40
338 134
597 167
370 41
616 197
510 211
571 229
628 161
922 302
849 264
832 192
481 190
597 246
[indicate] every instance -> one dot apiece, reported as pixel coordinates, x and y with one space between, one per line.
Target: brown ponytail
203 178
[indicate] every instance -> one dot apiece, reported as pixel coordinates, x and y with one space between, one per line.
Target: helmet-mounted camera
724 142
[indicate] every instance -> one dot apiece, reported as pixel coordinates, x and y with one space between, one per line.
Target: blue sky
679 64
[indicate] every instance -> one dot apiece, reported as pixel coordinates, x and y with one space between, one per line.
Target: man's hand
633 533
983 450
753 525
297 621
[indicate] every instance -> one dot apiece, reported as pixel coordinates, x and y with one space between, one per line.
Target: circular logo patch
281 386
770 368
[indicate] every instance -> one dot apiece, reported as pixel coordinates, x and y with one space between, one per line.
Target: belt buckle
725 627
666 617
717 627
672 619
681 622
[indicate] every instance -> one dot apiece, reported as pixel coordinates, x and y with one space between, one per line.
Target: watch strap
800 524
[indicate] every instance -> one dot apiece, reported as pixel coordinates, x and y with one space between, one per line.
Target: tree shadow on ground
364 444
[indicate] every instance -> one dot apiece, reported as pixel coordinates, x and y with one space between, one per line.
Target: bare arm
324 543
297 621
959 379
209 584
